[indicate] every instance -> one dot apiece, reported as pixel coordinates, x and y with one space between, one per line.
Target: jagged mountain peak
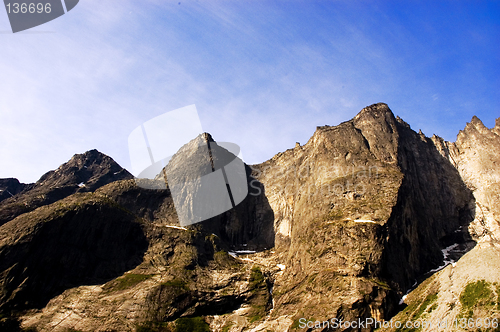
82 173
89 156
85 170
475 129
207 137
376 108
476 124
475 119
10 187
496 129
375 111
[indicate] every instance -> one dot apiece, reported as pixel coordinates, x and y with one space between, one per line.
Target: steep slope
10 187
180 275
83 173
361 212
79 240
468 291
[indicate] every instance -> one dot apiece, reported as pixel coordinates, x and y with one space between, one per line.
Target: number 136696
31 8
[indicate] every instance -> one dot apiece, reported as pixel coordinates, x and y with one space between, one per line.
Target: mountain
10 187
362 212
82 173
468 290
361 222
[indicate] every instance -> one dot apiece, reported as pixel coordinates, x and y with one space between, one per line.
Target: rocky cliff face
475 156
467 290
362 211
10 187
340 227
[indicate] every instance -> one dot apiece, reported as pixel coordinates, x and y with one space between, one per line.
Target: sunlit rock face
362 205
469 286
475 155
82 173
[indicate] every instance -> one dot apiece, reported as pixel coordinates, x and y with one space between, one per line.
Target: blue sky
263 74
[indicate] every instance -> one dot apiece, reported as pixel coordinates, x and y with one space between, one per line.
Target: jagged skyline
312 245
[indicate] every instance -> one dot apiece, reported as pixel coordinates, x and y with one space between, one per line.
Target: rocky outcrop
475 156
10 187
83 173
83 239
249 224
467 291
367 206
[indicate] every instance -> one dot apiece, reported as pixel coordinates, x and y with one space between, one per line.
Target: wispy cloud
263 75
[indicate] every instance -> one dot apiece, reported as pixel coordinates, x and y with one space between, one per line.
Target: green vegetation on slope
127 281
475 293
194 324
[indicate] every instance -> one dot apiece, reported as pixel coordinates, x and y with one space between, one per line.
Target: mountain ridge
343 226
82 173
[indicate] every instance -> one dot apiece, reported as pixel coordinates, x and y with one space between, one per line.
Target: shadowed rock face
10 187
475 156
81 240
452 293
433 210
82 173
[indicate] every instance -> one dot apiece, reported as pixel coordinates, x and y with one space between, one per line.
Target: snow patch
236 254
407 292
362 220
244 252
281 266
446 260
176 227
247 260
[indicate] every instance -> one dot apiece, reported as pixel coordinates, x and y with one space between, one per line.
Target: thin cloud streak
261 77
